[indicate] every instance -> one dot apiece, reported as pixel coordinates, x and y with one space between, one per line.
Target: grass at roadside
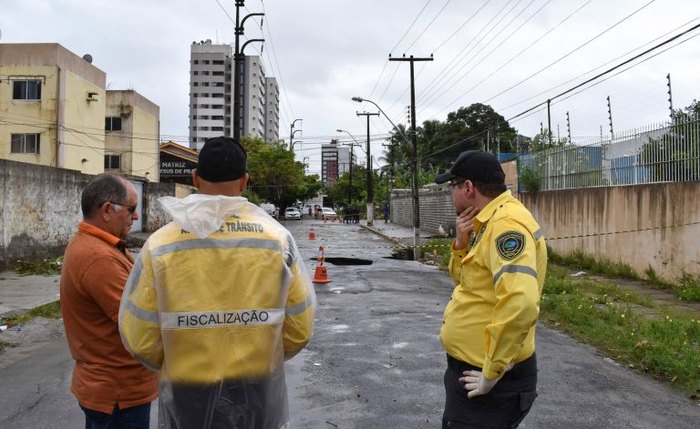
47 267
51 310
665 345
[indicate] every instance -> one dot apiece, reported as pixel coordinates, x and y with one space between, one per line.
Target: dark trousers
232 404
138 417
504 407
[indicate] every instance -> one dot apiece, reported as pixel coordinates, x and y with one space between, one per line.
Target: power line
465 73
428 26
599 67
613 68
411 26
570 52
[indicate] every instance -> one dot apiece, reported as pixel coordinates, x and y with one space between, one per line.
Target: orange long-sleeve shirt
92 281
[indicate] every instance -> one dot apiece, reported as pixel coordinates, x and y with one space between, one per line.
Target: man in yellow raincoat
217 300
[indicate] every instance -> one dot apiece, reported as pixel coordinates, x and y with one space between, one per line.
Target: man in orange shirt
113 389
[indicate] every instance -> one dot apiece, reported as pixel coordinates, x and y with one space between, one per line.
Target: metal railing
658 153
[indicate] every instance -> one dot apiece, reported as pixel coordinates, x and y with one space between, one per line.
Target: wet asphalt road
375 360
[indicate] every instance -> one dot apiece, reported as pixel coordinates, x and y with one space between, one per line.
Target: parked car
271 209
292 213
328 213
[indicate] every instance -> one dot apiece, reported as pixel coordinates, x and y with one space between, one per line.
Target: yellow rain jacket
216 301
490 319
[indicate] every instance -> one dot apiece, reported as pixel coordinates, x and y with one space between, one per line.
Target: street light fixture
414 188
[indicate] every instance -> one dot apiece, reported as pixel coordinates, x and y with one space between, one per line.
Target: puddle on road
346 261
340 328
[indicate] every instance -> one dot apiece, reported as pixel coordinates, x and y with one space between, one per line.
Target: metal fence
657 153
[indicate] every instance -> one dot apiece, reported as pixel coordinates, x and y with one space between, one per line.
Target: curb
381 234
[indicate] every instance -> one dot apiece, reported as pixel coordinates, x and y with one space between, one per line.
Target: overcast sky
510 54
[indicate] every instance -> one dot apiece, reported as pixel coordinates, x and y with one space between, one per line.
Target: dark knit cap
222 159
476 166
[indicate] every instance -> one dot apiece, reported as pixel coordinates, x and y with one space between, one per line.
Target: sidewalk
22 293
399 234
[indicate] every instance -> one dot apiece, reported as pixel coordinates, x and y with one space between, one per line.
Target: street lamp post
352 157
238 69
414 188
292 132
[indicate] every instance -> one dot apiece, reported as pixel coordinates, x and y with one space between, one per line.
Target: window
26 90
196 73
195 84
205 62
113 123
218 62
217 73
24 143
196 61
113 162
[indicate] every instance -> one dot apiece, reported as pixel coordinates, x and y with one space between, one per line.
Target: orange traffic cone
312 234
320 275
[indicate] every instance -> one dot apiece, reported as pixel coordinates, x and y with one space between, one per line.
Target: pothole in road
346 261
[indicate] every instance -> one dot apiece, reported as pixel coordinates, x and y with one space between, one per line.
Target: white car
328 214
270 209
292 213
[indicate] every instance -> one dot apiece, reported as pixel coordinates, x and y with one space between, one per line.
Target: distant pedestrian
498 263
219 299
386 212
112 388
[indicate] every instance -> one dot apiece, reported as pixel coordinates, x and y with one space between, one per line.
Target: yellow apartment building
55 111
132 135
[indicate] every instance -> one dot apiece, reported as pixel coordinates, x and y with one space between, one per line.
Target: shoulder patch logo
510 244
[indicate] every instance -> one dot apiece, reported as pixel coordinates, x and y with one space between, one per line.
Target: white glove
476 384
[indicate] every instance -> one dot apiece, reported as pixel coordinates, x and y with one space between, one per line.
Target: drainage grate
346 261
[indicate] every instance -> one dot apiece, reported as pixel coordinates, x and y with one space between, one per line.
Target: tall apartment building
211 95
272 110
56 112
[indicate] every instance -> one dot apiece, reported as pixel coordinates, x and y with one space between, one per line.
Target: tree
274 174
477 126
675 156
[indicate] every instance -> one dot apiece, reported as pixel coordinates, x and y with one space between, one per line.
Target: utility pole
370 190
238 69
414 160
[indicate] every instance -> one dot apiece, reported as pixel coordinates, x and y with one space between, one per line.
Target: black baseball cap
222 159
476 166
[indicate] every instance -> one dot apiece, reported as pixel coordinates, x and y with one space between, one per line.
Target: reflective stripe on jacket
490 319
229 306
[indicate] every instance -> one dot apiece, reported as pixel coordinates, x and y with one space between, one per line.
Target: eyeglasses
131 209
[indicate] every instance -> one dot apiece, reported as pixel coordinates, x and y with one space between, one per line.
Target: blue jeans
138 417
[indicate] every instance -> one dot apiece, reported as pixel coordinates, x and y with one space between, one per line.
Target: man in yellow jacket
217 300
498 263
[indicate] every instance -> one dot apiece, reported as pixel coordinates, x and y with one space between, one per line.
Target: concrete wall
40 209
154 215
654 225
435 204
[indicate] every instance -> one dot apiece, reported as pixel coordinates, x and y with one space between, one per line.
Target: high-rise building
272 110
254 86
330 168
212 95
211 80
